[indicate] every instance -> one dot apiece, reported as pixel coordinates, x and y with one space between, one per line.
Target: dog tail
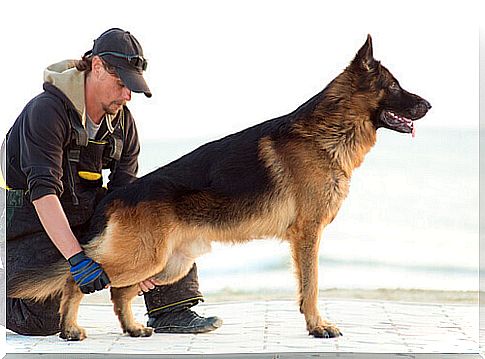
40 283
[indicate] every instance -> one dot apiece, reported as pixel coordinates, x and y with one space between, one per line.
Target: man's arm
86 273
56 225
44 135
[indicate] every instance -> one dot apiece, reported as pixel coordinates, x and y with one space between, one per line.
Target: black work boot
169 307
182 320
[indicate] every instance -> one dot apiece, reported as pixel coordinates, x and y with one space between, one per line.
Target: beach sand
402 295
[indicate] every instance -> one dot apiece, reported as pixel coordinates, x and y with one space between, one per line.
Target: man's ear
365 56
96 65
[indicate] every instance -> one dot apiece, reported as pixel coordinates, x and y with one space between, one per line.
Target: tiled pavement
276 329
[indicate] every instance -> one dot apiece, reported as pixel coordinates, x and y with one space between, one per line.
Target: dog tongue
414 132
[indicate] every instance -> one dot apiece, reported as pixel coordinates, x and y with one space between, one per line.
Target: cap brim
133 80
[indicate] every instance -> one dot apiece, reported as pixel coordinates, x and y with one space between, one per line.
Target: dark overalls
28 245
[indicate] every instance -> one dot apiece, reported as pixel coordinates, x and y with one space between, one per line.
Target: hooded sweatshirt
66 78
36 145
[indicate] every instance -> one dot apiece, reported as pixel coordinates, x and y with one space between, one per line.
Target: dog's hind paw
73 334
140 331
325 331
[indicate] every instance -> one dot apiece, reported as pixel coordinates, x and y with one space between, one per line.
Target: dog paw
140 331
73 334
325 331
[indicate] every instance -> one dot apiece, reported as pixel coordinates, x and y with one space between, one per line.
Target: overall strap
115 141
79 138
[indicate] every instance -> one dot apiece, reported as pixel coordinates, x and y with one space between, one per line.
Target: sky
216 67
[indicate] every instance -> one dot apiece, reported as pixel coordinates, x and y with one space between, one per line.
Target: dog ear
365 56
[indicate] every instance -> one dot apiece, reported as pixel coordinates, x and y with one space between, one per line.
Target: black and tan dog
284 178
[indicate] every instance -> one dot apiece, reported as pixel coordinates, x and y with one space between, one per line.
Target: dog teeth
402 119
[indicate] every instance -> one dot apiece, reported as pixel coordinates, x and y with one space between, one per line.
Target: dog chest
195 247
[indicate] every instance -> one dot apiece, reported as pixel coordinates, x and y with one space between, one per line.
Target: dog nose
420 109
427 104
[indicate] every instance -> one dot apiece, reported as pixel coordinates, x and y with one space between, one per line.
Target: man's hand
147 285
87 274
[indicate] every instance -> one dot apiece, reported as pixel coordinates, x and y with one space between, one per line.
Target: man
54 155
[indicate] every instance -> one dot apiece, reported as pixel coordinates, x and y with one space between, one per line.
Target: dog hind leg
122 298
70 301
305 246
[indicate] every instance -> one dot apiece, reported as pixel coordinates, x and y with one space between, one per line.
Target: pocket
89 168
21 216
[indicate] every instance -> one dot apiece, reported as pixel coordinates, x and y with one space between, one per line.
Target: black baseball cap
122 50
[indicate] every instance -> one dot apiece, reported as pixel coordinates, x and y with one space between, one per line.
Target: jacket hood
70 81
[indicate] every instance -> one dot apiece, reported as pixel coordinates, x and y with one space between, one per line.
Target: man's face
111 93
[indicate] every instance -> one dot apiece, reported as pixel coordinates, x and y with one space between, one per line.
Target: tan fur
309 171
122 298
71 298
43 288
310 178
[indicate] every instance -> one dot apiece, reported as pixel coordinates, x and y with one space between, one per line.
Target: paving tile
278 327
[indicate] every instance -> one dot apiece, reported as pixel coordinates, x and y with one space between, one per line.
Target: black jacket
37 149
35 145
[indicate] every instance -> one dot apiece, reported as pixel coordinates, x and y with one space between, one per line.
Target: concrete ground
276 329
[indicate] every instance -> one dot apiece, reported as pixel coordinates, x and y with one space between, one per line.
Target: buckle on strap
74 154
79 134
116 146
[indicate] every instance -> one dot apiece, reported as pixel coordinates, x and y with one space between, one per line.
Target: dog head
395 108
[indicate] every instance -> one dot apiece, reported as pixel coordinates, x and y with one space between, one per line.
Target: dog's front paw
325 331
73 333
140 331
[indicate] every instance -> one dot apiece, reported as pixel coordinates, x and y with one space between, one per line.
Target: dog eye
394 86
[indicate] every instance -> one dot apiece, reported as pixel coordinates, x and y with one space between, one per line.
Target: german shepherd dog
285 178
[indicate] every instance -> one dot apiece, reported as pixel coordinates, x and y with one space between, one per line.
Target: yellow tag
2 183
90 176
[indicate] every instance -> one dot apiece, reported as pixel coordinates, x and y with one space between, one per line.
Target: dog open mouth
398 122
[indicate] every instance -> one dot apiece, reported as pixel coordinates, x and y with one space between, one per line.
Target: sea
410 221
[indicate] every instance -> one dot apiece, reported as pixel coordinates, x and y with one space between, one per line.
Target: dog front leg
305 256
68 309
122 298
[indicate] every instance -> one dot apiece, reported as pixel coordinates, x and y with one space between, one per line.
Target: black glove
87 274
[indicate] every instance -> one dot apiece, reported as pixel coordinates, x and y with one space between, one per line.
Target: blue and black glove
87 274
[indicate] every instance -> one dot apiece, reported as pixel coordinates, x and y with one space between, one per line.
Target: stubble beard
113 107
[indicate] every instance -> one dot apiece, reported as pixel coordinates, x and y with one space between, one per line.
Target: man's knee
30 318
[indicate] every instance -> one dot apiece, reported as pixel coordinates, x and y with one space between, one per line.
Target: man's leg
29 318
24 316
169 307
